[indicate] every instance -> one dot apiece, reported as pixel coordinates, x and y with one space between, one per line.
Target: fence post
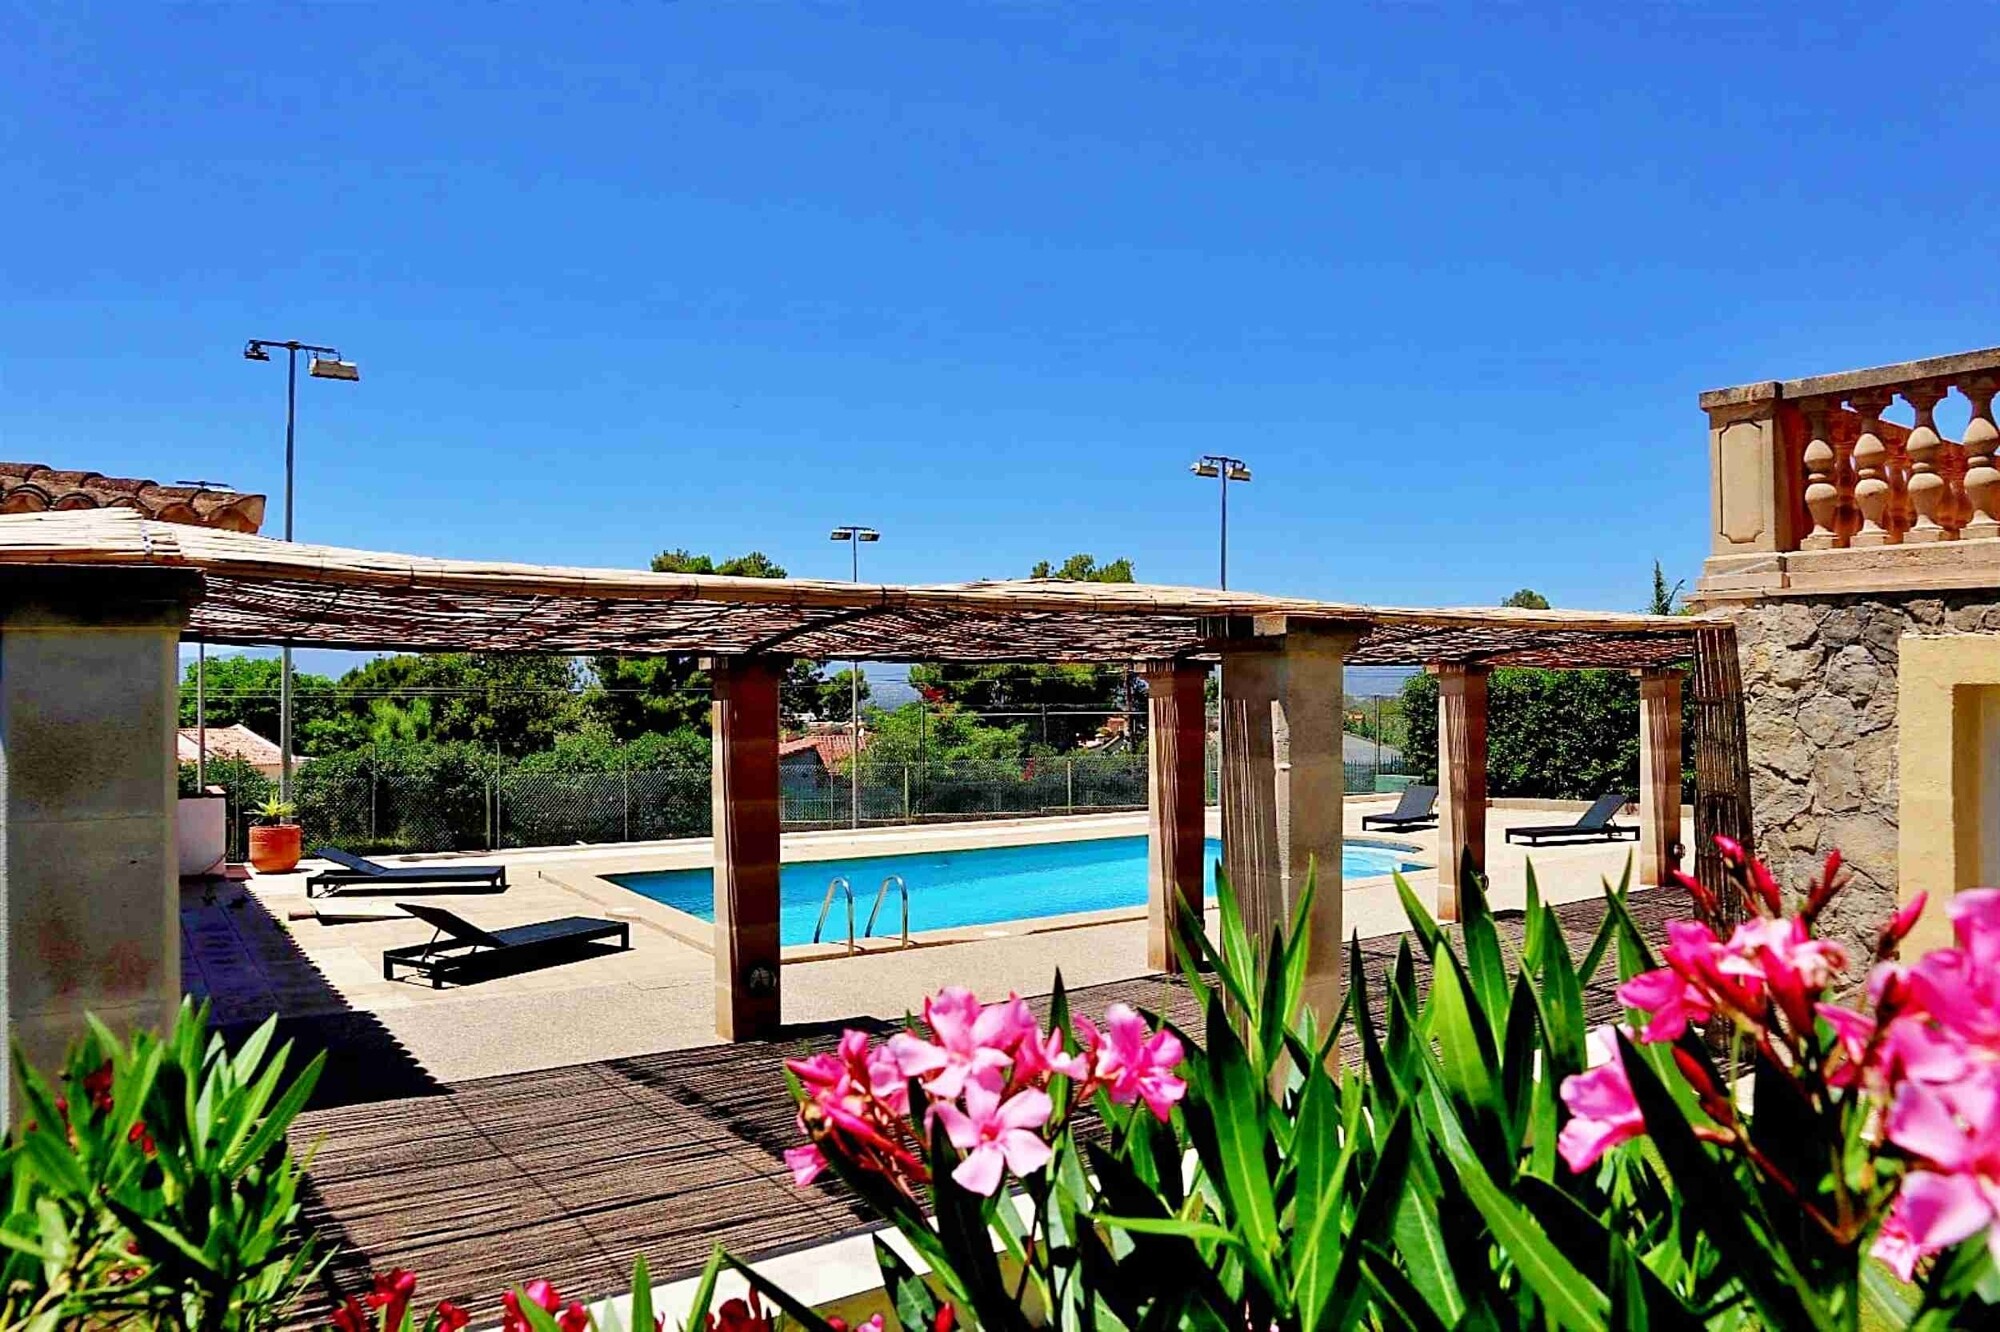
1069 785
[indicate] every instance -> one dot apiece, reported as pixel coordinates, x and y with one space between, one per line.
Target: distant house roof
831 746
27 487
236 742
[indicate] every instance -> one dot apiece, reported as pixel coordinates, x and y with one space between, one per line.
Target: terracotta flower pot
274 847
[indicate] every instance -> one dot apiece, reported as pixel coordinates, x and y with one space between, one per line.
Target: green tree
1527 599
509 703
1083 568
1666 600
914 733
244 690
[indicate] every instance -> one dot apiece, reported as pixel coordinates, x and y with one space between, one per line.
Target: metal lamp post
854 536
1227 469
322 363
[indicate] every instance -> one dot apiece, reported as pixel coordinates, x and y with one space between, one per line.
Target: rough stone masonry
1819 691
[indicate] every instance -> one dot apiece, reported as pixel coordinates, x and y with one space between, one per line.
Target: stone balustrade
1806 475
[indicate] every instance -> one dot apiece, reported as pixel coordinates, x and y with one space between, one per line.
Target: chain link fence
470 811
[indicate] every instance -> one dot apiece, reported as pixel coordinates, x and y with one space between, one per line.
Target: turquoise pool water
980 886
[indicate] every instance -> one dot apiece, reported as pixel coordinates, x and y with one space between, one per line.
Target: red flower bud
1904 920
1713 1103
1704 900
1767 888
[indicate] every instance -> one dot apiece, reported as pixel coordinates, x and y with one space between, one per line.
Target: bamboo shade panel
260 590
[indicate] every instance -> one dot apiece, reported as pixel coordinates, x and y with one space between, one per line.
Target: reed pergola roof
260 590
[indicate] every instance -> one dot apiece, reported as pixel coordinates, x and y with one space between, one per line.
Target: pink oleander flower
806 1163
1603 1112
1853 1042
1894 1246
870 1324
1953 1132
1039 1055
971 1042
1132 1062
1960 987
995 1133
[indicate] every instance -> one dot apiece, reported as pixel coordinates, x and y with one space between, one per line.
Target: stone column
1176 734
1461 779
1659 775
747 809
1282 784
88 872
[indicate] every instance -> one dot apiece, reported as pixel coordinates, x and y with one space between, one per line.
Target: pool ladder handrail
903 889
826 904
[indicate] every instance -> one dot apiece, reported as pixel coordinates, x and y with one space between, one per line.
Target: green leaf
1420 1241
1420 917
1396 1296
1571 1299
1485 965
915 1304
1241 1145
1319 1194
1467 1041
1341 1302
642 1292
1201 1232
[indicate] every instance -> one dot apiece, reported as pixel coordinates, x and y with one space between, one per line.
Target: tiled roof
237 742
36 487
831 746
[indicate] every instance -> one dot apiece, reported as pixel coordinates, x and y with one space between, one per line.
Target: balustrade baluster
1824 481
1933 510
1982 479
1874 474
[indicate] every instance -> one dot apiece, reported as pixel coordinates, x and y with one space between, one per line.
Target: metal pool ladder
903 890
838 881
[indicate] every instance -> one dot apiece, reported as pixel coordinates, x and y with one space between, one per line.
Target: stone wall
1819 686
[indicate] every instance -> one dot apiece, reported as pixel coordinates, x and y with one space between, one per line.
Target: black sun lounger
1418 805
461 951
353 870
1594 826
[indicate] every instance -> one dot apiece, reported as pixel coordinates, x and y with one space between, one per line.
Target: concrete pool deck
243 948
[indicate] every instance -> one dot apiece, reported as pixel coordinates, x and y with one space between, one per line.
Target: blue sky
987 276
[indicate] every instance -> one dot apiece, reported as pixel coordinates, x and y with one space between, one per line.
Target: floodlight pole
258 349
1225 469
854 534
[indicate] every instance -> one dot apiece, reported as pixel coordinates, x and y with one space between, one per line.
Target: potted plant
274 837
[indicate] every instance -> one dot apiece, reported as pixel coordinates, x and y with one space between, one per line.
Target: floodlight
332 367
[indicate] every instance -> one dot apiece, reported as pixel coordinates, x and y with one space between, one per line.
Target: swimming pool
979 886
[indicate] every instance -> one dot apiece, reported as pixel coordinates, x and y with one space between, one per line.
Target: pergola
1281 685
